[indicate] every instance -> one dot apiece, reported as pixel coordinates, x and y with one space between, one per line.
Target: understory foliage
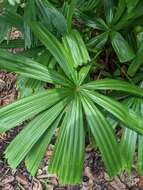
90 53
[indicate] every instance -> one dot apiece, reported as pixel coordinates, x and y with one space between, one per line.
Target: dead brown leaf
22 180
54 181
8 187
50 187
6 180
46 176
88 185
3 136
36 185
88 173
141 181
117 184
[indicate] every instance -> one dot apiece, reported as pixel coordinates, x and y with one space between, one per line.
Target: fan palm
75 105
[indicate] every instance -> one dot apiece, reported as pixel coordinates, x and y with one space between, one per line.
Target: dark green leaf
137 61
131 4
51 17
121 47
98 41
108 8
96 23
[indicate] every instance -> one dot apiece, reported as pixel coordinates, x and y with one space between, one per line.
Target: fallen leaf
50 187
88 185
36 185
6 180
8 187
88 173
73 187
54 181
141 181
22 180
40 172
117 184
46 176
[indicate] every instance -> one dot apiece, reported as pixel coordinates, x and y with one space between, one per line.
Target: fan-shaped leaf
29 68
128 117
23 109
37 152
27 138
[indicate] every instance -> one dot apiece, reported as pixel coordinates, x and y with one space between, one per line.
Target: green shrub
76 104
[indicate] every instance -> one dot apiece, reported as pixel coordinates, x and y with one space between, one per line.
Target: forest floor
95 176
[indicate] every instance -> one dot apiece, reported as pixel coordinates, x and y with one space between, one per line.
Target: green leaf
114 84
128 117
37 152
75 46
121 47
52 18
84 71
96 23
70 13
30 14
11 18
55 48
129 138
140 155
68 157
23 142
131 4
3 31
13 2
89 5
137 61
17 43
98 41
108 8
17 112
104 136
29 68
128 145
119 11
129 17
28 86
